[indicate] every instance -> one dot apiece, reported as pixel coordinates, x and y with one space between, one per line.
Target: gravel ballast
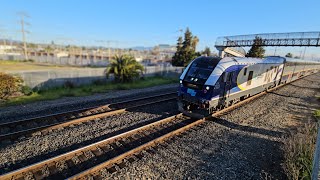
40 147
71 103
243 144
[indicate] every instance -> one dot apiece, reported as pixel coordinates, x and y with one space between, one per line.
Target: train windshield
200 70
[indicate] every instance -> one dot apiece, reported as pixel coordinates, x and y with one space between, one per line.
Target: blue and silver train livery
209 84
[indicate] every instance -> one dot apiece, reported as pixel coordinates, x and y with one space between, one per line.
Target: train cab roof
266 60
234 62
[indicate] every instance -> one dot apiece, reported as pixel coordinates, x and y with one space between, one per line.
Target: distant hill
141 48
8 41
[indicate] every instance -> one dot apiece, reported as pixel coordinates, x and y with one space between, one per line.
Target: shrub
299 149
28 60
68 84
99 82
26 90
9 85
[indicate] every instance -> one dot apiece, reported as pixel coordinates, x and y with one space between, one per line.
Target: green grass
86 90
317 113
298 149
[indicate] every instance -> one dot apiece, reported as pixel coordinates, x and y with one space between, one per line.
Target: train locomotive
209 84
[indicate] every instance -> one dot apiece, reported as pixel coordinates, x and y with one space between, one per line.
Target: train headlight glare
196 79
207 88
180 81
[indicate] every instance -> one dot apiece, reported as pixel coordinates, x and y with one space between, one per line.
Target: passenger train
209 84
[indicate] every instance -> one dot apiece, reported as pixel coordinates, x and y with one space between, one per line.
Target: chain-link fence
73 61
79 76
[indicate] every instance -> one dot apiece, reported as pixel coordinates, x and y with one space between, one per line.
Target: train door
226 86
250 78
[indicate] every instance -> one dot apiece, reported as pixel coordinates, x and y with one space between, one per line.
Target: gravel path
243 144
40 147
71 103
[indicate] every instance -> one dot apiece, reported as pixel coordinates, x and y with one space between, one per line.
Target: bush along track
300 148
70 90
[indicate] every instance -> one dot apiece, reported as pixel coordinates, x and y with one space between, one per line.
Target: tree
48 49
177 57
256 50
207 51
194 42
289 55
125 68
9 85
186 49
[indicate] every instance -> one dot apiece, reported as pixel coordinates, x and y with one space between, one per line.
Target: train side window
223 77
230 75
250 78
245 71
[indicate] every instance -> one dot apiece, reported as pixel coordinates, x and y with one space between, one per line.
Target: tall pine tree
186 50
177 58
206 51
256 50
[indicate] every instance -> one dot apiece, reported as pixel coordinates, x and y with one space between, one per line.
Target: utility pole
23 31
108 44
109 54
3 32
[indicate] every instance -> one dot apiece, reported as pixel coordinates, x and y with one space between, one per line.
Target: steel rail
83 109
52 126
34 167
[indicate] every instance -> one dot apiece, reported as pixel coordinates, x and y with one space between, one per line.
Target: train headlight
207 88
180 81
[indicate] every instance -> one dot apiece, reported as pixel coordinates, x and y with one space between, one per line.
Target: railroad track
97 160
45 124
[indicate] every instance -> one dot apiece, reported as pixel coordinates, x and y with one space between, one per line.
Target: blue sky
150 22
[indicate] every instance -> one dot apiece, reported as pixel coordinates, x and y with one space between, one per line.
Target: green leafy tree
186 49
289 55
48 49
207 51
256 50
125 68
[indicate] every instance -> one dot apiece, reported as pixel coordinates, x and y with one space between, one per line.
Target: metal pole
109 54
305 62
24 38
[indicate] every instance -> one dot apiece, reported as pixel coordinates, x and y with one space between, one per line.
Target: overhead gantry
232 44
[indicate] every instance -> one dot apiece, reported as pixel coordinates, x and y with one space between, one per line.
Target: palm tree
124 67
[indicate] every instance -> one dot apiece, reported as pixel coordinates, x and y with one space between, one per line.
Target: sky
128 23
